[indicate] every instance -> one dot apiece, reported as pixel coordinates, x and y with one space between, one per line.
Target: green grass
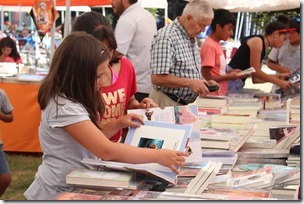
23 168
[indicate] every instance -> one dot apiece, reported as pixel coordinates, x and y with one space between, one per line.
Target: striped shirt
173 52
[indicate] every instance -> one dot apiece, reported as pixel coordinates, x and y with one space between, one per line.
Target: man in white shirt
134 33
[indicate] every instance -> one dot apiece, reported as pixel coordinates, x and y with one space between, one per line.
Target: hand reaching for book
131 120
147 103
171 158
284 84
283 76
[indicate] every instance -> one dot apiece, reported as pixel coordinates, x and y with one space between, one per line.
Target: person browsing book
286 59
71 106
8 51
252 52
212 55
119 81
119 85
175 60
6 115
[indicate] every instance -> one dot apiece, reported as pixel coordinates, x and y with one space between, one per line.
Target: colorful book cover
159 135
76 196
178 115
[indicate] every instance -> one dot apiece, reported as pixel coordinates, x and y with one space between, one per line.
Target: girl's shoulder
125 62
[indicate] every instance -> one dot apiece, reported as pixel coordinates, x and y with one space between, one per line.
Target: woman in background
252 52
287 59
8 51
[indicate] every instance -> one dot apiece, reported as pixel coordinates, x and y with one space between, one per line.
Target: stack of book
208 105
286 181
293 109
260 178
263 156
212 101
261 137
244 105
292 138
294 158
104 179
217 138
236 121
273 115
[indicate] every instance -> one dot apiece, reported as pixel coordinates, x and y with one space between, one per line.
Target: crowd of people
98 73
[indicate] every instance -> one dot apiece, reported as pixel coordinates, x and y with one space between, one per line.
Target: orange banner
44 15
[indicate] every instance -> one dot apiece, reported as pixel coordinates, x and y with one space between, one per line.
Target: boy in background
6 115
212 55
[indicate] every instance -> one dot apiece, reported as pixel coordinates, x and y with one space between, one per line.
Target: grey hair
198 9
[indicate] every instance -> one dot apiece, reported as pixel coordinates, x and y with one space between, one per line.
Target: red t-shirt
212 55
116 97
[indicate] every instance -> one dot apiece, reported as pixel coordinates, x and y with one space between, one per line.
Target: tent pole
237 27
67 18
53 37
240 28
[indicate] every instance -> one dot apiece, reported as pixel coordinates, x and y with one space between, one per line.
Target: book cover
142 169
100 178
286 141
140 194
156 135
247 71
279 132
159 135
76 196
295 76
250 192
178 115
263 153
259 178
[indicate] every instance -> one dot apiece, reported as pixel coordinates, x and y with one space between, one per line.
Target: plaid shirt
173 52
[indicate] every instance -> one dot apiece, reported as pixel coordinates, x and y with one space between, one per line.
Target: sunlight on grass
23 168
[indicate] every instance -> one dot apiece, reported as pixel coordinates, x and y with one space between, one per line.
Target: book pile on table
294 158
293 109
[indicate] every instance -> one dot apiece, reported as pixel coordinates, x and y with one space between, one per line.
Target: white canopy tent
254 5
242 6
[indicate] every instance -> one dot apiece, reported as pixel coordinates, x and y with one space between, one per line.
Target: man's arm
171 81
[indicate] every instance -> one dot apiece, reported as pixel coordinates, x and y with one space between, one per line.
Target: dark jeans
140 96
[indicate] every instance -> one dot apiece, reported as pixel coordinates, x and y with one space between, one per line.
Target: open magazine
293 91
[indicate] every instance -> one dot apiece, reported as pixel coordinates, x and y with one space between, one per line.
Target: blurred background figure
8 51
286 59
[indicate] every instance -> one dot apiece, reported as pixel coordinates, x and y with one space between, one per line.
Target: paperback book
89 177
178 115
155 135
